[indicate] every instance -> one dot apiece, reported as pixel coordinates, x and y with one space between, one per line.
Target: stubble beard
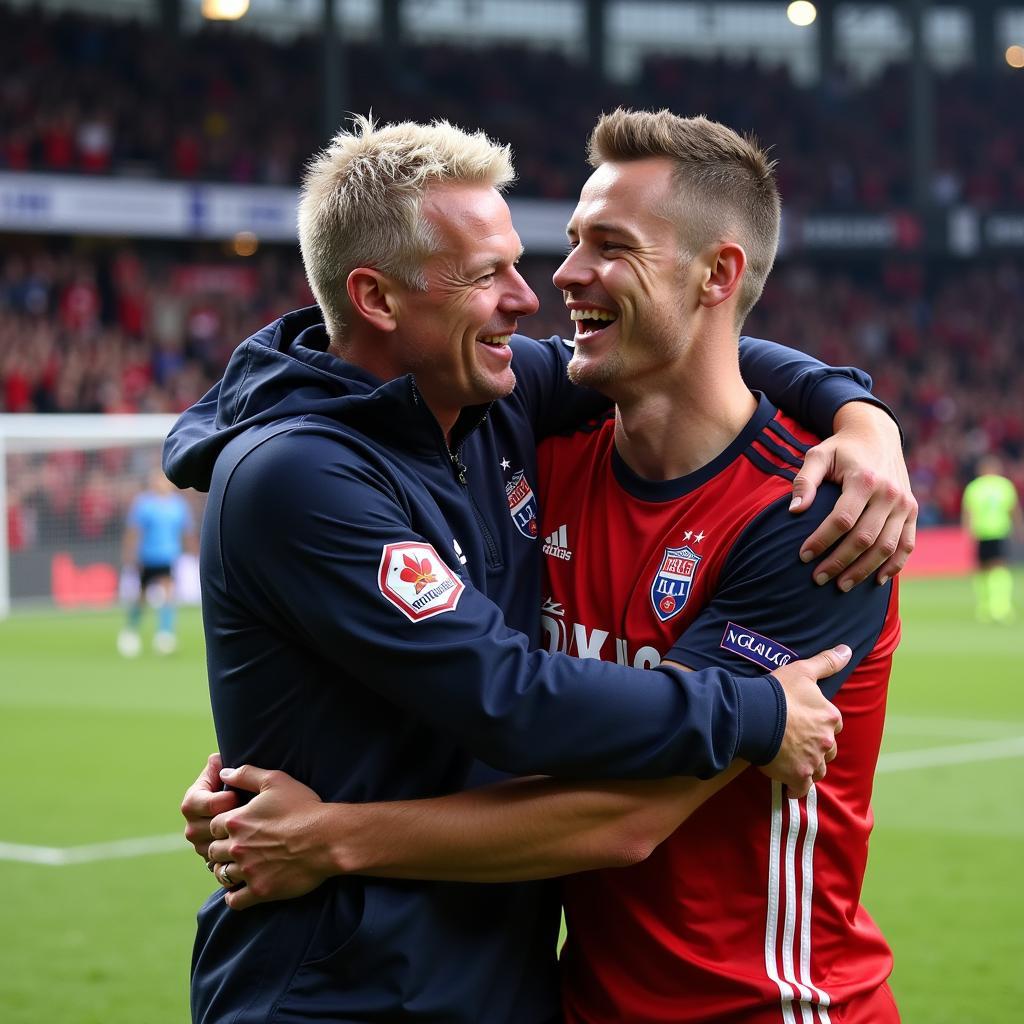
599 376
617 369
488 388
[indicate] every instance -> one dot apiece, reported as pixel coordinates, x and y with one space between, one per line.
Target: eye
611 246
569 246
486 278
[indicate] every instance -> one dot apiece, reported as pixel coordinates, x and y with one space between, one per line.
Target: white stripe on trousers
796 931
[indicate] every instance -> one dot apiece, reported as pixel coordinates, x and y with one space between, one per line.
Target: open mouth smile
591 321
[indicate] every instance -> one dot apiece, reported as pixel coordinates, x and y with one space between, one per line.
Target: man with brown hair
751 909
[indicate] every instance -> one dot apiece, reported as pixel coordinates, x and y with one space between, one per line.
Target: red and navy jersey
750 912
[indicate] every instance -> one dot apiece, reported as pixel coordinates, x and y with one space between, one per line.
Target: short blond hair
361 197
725 183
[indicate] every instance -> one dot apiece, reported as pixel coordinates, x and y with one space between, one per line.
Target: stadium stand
131 331
97 96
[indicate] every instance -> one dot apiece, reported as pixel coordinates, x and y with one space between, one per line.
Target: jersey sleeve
317 546
804 387
767 610
553 403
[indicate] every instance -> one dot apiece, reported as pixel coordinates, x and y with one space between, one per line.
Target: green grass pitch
96 749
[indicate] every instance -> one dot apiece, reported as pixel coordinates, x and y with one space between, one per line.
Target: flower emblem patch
414 578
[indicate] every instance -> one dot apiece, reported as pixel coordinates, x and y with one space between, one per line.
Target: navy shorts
151 573
995 550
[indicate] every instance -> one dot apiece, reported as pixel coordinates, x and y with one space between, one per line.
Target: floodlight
224 10
245 243
801 13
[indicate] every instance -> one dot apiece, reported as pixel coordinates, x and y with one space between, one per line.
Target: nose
520 299
573 271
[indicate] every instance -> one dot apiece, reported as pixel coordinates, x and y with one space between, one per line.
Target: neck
690 414
374 355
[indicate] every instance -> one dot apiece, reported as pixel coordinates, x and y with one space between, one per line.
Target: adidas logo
557 545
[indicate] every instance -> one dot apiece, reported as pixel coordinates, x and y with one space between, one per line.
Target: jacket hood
285 372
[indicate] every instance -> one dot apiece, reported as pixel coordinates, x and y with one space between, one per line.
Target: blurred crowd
149 330
89 95
120 333
944 350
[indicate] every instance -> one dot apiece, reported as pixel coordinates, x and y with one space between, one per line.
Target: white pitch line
900 761
961 753
57 856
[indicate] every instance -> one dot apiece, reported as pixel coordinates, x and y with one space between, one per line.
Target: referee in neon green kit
991 512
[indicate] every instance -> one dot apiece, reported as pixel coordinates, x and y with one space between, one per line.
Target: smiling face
624 279
457 331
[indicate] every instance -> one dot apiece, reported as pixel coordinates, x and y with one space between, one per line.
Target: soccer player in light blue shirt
158 529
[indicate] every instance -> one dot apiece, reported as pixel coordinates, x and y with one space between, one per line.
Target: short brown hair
725 181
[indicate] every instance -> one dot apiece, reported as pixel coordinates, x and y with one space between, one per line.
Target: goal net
66 483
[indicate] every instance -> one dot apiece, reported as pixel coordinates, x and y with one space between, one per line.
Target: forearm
520 830
866 417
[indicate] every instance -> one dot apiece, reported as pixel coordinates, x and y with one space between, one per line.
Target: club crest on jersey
522 505
673 581
417 582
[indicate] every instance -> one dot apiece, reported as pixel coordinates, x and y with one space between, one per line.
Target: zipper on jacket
493 555
457 465
460 469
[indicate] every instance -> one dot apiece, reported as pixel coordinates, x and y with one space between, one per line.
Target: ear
373 298
723 274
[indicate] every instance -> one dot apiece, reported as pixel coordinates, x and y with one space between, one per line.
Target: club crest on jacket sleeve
414 578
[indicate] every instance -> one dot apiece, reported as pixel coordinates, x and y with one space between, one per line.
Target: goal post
66 481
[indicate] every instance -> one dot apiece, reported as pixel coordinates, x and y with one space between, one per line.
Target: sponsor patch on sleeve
415 579
754 647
